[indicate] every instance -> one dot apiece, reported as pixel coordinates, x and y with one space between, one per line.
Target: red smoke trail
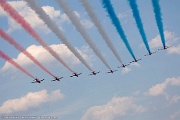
16 16
20 48
7 58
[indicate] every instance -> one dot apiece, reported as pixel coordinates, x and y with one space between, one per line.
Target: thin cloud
159 89
125 70
174 49
116 107
175 116
29 15
130 68
44 57
30 100
169 37
123 16
85 22
175 99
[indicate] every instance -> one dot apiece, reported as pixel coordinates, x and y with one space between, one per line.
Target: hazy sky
146 90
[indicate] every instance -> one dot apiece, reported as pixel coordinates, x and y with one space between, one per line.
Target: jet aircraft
135 60
57 79
123 65
150 53
94 73
165 47
112 71
36 80
75 74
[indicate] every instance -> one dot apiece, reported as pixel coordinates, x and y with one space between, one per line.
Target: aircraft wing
109 72
34 82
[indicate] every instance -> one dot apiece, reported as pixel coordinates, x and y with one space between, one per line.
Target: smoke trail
7 58
20 48
108 6
74 19
138 20
101 30
157 12
16 16
52 25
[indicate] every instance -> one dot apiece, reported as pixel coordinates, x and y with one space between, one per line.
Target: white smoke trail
94 18
74 19
52 25
19 19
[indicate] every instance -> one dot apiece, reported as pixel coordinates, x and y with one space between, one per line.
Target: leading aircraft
36 80
94 73
165 47
123 65
135 60
75 74
112 71
57 79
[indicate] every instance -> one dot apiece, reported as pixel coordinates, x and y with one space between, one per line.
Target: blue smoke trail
137 17
108 6
157 12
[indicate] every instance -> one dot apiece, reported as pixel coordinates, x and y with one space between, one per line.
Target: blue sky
147 90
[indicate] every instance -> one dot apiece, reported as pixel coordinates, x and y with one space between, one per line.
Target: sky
147 89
